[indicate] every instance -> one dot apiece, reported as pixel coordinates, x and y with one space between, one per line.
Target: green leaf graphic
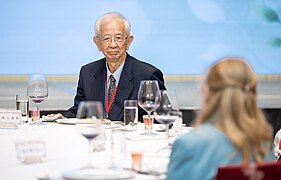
268 14
275 42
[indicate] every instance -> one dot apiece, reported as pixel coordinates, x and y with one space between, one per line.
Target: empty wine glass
166 114
90 110
149 97
37 91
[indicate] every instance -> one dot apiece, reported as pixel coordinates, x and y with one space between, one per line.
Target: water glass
131 114
177 125
22 104
98 144
118 148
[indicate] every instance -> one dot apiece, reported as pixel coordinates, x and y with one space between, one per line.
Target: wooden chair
267 171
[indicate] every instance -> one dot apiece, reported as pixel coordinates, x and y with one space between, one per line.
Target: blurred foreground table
67 150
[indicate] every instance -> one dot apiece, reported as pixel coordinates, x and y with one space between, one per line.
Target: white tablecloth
67 150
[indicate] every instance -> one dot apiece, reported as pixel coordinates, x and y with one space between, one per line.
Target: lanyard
108 106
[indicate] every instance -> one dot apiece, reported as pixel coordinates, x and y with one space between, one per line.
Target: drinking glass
177 125
118 148
90 132
37 91
90 110
149 97
165 114
131 114
22 104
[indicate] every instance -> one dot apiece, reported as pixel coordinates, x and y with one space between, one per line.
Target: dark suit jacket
91 85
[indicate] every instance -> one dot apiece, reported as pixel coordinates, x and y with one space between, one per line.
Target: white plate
80 121
97 174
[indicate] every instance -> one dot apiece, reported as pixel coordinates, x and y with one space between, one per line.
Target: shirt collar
116 74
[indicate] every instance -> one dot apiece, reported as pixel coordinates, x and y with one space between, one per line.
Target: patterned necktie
111 88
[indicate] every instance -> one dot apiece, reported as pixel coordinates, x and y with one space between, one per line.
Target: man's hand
53 117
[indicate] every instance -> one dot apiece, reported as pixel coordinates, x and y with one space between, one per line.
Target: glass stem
167 134
149 123
38 112
89 155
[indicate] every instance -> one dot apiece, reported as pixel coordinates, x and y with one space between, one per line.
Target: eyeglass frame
104 40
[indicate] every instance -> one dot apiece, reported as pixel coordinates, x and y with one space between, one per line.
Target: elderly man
116 77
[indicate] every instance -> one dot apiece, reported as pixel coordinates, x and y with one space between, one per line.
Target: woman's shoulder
203 135
203 131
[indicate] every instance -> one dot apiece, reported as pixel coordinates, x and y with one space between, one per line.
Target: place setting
125 163
90 172
85 108
95 134
163 104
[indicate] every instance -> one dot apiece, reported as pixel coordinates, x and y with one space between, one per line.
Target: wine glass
166 113
37 91
92 110
90 132
149 97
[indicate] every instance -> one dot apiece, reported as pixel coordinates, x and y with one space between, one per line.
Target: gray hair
109 16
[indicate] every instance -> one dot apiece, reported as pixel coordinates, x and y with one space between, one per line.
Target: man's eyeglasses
117 39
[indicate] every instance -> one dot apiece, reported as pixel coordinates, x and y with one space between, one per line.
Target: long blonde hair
232 103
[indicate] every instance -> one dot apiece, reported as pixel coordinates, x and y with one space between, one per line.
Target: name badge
9 118
30 152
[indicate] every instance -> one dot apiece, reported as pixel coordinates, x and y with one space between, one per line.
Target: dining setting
97 90
90 146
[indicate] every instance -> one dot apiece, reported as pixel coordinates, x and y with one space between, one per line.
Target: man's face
112 40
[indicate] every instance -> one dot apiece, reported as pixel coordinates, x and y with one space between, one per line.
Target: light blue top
198 154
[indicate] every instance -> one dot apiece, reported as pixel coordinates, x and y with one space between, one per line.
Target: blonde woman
230 129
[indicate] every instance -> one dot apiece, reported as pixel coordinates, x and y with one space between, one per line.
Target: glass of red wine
37 91
90 132
91 110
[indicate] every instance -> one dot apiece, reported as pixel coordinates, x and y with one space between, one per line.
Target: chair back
279 151
267 171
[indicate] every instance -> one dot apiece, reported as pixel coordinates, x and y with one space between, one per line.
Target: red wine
37 99
90 136
164 119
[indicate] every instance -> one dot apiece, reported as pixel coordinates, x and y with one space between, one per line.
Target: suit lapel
98 87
